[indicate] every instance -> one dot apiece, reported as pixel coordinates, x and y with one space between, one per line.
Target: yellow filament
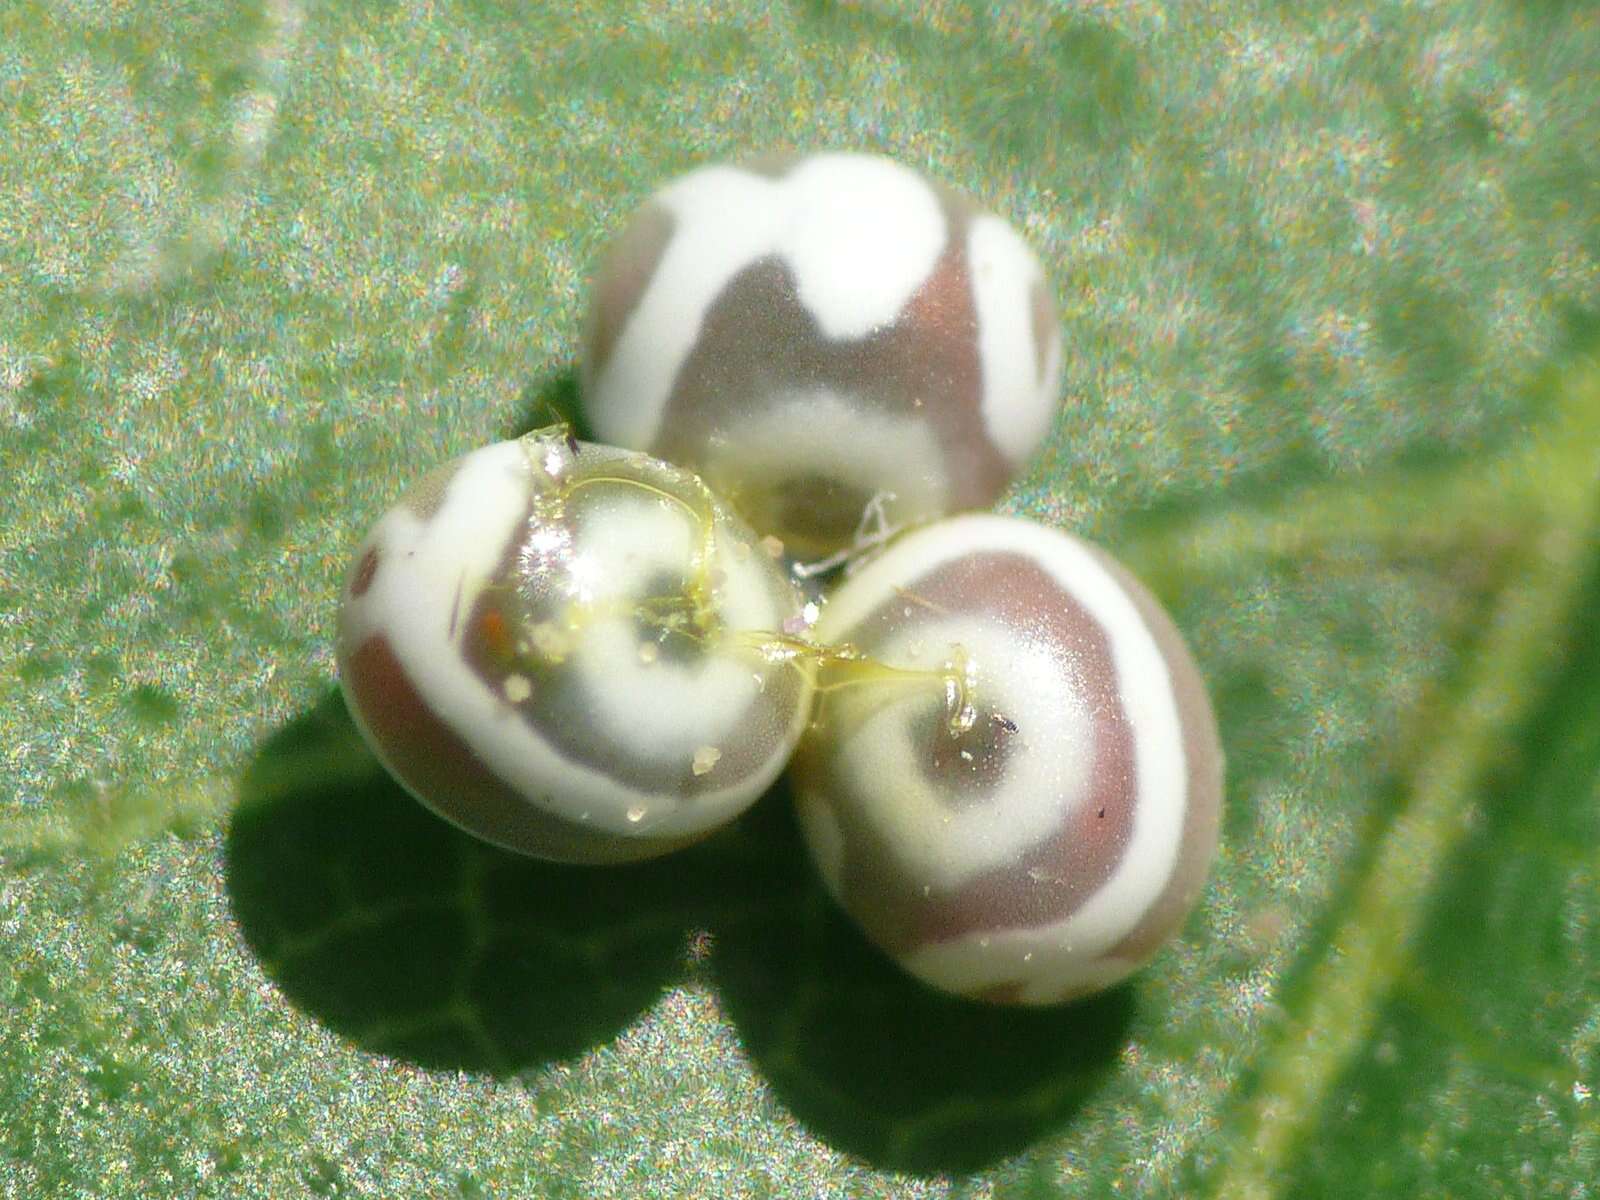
828 669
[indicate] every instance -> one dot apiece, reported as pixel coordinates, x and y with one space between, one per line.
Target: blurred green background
1330 277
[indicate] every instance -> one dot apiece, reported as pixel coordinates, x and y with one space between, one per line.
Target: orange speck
495 632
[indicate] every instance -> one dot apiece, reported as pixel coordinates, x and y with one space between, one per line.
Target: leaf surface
1329 278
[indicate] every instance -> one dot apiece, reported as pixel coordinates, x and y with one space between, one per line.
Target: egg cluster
1004 760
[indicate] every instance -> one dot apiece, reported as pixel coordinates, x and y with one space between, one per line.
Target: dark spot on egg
364 572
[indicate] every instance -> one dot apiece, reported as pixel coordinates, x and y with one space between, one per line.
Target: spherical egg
566 649
1014 775
824 339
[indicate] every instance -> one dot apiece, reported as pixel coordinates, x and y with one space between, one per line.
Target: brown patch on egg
758 340
630 263
1203 758
499 640
442 770
426 497
365 571
1049 880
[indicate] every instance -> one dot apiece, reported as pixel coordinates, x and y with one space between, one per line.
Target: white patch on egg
1017 409
668 709
862 234
818 432
724 221
953 846
1042 785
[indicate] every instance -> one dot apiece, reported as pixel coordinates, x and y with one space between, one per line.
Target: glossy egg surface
564 648
818 334
1016 791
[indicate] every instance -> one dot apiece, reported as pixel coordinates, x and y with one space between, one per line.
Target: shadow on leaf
552 398
874 1062
416 940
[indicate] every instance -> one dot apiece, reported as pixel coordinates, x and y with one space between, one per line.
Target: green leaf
1330 279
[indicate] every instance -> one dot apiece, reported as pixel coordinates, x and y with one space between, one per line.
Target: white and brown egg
1035 829
812 333
1013 777
566 649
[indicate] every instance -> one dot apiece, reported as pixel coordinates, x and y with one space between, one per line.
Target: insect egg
825 339
562 648
1014 787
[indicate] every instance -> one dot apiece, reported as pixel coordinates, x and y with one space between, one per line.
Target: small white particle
966 756
806 618
1028 957
927 889
518 688
1580 1093
705 758
636 813
649 652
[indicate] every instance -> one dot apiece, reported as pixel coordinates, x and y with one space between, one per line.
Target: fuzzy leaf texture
1330 277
